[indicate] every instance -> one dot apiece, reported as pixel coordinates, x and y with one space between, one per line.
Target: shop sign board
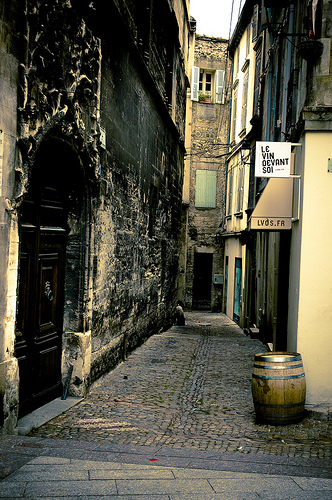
273 159
270 223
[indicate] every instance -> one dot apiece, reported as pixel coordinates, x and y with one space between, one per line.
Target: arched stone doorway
53 271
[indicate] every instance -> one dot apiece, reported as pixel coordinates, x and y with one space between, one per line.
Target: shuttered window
255 21
220 78
206 188
230 192
244 100
194 83
240 189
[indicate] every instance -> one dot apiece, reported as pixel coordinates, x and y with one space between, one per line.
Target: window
207 86
230 191
206 188
248 40
236 64
244 100
234 113
240 188
255 22
257 81
205 82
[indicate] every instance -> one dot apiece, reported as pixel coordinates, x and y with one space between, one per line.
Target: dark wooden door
202 281
40 309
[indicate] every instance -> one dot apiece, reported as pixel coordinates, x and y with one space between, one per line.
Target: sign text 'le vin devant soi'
273 159
273 211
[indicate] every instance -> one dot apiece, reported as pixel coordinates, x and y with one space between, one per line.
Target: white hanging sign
273 159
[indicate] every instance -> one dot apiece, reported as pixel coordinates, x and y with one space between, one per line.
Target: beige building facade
201 277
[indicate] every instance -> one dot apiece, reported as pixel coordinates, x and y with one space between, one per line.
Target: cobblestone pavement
188 387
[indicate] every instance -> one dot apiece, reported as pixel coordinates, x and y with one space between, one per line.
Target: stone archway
53 276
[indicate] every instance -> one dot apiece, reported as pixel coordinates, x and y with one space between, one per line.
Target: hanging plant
310 50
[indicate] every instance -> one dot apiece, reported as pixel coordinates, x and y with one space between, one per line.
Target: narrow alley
188 387
175 421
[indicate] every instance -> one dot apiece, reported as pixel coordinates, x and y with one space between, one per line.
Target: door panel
40 310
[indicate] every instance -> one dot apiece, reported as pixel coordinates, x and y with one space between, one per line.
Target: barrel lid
278 357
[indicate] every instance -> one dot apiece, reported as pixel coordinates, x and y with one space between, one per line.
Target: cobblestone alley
188 387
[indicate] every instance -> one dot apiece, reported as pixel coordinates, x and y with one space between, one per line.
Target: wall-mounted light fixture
245 147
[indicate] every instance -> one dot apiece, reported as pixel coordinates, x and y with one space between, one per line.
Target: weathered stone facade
201 278
92 119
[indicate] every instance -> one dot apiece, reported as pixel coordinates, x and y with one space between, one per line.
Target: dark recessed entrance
202 281
44 249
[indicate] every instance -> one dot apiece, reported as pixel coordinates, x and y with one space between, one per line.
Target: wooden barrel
278 387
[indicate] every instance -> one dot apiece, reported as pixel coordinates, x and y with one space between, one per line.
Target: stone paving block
11 490
82 455
298 470
255 484
217 496
46 460
67 489
210 474
47 475
231 466
161 461
155 473
302 495
312 483
79 465
159 487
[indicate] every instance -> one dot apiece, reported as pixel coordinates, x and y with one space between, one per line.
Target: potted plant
204 97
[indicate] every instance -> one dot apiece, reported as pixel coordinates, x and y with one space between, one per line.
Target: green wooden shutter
220 77
206 188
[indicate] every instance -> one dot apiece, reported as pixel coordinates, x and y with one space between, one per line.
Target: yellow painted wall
310 298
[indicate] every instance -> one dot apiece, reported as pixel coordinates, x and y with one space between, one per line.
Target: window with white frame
255 22
206 188
240 189
248 39
234 113
236 63
207 85
230 191
244 100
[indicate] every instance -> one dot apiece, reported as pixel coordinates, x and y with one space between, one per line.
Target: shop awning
273 211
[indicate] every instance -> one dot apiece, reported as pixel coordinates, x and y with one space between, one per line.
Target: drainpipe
269 99
275 100
288 67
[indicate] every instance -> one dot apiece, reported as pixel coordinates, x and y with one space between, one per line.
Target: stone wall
101 102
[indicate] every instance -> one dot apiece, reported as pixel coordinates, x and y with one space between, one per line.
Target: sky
213 17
